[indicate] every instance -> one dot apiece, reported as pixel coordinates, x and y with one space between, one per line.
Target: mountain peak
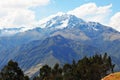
61 21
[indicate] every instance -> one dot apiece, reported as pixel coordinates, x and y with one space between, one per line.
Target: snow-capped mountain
55 38
55 22
12 31
62 21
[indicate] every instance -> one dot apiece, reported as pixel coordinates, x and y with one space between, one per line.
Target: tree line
88 68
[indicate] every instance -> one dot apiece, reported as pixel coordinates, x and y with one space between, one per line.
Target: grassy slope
113 76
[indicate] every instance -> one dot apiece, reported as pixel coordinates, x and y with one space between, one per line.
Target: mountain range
60 39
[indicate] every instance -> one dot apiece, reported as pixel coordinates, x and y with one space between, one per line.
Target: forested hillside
88 68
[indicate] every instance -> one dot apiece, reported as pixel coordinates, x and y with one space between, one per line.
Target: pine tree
93 68
45 72
12 72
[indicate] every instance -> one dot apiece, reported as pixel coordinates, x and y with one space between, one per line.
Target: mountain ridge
58 18
59 42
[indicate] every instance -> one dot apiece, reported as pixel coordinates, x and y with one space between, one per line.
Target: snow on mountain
63 20
43 21
12 31
64 24
57 21
9 31
48 22
93 25
60 21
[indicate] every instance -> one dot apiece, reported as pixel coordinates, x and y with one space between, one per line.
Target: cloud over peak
92 12
115 21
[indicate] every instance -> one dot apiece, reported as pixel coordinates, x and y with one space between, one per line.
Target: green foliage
45 72
12 72
93 68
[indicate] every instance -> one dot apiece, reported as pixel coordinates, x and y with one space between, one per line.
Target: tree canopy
88 68
12 72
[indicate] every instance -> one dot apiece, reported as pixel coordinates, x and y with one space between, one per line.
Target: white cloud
92 12
17 17
22 3
16 13
115 21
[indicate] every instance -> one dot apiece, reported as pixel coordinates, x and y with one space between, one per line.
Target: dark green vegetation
12 72
92 68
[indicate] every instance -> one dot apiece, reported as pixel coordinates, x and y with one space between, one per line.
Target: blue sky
28 13
109 18
66 5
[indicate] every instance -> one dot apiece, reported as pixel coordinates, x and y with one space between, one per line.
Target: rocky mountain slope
58 40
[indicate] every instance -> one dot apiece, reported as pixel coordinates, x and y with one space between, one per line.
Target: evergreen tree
93 68
57 72
45 72
12 72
